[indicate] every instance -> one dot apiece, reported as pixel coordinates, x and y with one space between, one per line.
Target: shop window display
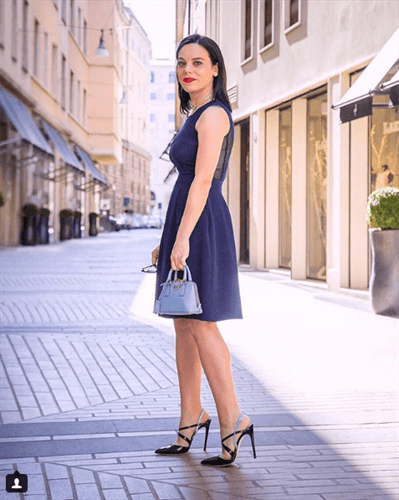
285 183
316 189
384 147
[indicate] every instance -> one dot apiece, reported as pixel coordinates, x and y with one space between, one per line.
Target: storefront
24 156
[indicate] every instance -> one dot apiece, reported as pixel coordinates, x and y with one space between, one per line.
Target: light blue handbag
178 297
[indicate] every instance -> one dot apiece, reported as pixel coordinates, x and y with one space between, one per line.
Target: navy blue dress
212 259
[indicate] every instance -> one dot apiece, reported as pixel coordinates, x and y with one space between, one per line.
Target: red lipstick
188 80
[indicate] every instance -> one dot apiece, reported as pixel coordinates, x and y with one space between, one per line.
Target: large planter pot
384 283
29 224
93 224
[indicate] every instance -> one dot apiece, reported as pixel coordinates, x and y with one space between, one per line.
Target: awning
62 146
393 86
358 100
23 121
89 164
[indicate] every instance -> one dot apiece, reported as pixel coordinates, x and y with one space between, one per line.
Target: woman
198 230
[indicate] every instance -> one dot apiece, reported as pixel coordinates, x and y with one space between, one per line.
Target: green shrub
77 214
1 199
29 210
44 212
93 215
66 213
383 208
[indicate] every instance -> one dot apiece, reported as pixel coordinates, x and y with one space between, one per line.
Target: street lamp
101 50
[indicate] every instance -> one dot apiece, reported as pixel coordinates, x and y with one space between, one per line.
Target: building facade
62 126
162 128
299 180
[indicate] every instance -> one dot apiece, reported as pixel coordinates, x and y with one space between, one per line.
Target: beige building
299 179
65 142
162 129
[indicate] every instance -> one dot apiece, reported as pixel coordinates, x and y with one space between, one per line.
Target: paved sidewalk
89 386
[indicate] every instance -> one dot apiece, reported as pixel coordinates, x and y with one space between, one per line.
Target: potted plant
383 217
29 226
66 224
93 223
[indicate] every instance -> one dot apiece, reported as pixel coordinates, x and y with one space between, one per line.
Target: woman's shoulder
216 114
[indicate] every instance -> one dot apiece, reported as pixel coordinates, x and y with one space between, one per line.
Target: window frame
261 26
2 11
14 35
25 44
84 37
71 92
36 49
64 9
63 81
54 70
243 59
72 17
45 60
287 16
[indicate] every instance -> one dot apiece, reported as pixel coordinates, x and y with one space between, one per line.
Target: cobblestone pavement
89 388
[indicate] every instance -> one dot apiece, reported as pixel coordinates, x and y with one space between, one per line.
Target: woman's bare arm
212 126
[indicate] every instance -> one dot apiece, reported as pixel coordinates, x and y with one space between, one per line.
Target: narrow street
89 386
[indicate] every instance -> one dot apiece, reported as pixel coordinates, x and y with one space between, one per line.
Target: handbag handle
186 275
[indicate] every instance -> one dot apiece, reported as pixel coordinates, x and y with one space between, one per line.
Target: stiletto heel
219 461
206 425
175 449
251 435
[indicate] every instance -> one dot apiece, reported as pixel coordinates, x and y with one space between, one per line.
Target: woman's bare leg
189 370
214 355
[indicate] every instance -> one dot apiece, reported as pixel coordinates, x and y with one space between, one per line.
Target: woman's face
195 70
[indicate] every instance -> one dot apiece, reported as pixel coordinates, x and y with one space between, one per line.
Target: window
85 37
25 34
72 17
63 82
84 107
71 92
316 187
170 97
171 118
14 41
172 77
153 96
36 50
54 70
292 14
45 60
1 24
266 19
285 184
152 118
79 26
78 117
247 30
64 10
152 77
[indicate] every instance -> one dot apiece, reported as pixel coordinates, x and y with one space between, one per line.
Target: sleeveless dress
212 259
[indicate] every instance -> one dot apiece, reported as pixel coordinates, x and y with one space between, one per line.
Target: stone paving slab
89 390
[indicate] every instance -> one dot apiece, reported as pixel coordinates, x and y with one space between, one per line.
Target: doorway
244 191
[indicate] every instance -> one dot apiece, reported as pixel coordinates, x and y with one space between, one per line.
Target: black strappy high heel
175 449
219 461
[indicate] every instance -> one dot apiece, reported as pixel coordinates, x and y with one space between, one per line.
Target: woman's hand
180 252
155 255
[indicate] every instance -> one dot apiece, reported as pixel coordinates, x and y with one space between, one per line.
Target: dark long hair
219 81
